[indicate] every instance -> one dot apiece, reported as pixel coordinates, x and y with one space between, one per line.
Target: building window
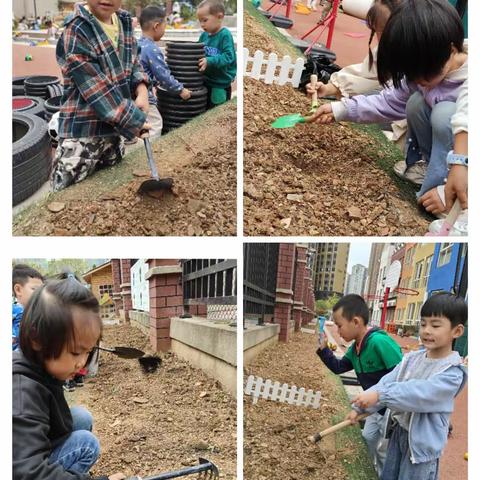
428 267
107 310
445 254
417 313
411 312
418 274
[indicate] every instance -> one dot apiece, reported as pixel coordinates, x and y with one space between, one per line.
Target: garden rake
205 469
346 423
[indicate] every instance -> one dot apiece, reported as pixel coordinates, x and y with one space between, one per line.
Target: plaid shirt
99 79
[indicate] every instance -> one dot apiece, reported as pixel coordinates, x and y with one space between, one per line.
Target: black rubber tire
199 93
48 116
41 81
281 21
188 84
195 75
37 109
193 65
18 88
199 52
53 104
318 49
177 46
177 117
170 110
55 90
178 70
165 103
31 155
182 57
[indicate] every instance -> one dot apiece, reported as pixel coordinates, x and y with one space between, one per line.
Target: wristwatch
456 159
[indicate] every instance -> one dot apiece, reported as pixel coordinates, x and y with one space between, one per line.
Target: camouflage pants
77 158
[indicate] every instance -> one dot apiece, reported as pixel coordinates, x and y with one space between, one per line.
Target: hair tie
71 275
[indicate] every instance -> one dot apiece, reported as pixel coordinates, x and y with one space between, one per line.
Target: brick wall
299 287
117 280
284 293
125 286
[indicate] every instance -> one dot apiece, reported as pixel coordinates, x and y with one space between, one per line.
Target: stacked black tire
37 86
32 155
182 59
52 105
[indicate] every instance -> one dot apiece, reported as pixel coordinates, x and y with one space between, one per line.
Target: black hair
152 13
352 305
48 319
417 41
448 305
22 273
214 6
374 15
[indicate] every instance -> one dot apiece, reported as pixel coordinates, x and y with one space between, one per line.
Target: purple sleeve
388 105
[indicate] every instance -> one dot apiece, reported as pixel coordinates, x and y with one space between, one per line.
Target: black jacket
41 422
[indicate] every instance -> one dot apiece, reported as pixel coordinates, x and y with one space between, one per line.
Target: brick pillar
166 299
198 310
309 300
299 287
125 287
284 292
117 280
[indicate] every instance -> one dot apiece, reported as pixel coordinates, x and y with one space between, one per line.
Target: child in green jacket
220 63
372 355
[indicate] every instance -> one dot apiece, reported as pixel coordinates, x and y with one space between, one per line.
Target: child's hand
144 130
324 90
456 186
432 202
322 342
117 476
366 399
322 115
352 416
202 64
142 103
185 94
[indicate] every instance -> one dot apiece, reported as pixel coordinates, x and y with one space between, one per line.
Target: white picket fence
259 388
271 70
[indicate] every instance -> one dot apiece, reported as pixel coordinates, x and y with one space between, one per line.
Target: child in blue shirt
152 22
220 63
420 392
25 280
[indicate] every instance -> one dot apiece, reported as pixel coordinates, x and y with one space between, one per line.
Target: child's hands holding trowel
323 115
323 90
366 399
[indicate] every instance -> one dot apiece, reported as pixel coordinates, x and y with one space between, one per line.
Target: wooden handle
313 81
318 436
144 133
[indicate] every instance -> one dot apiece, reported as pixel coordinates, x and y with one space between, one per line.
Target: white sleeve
460 117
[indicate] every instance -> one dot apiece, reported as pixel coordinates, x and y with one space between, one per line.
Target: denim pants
81 449
373 434
430 136
398 465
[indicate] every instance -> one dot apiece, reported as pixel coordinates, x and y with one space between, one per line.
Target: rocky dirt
315 179
201 157
276 435
157 422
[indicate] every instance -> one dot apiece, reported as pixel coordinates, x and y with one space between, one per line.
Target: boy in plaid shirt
105 91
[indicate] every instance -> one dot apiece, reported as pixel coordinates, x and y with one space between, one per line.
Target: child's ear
17 288
458 331
36 346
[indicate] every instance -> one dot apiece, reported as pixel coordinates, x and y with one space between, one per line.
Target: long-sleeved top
153 63
41 422
99 83
429 400
221 58
378 355
390 103
17 314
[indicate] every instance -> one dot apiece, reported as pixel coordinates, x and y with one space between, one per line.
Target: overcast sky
359 253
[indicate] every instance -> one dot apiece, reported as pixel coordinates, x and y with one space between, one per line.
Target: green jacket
221 58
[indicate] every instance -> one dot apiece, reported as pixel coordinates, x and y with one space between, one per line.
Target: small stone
354 213
203 394
140 400
295 197
190 231
56 207
286 222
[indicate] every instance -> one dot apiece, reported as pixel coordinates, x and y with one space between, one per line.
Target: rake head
205 470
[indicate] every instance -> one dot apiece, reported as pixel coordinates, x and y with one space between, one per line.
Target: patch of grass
355 460
281 42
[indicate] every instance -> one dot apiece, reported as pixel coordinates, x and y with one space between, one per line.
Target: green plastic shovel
288 121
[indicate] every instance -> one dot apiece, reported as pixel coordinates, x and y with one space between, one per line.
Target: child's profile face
346 329
25 291
74 357
436 333
209 22
104 9
159 30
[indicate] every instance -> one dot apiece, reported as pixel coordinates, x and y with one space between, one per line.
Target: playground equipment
280 21
37 85
268 390
205 470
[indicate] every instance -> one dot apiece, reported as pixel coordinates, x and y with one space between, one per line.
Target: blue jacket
431 402
17 314
153 63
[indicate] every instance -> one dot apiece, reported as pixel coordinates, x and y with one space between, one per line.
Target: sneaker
414 174
78 380
69 386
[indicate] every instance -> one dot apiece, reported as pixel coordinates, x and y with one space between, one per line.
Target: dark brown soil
157 422
315 179
276 434
201 158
